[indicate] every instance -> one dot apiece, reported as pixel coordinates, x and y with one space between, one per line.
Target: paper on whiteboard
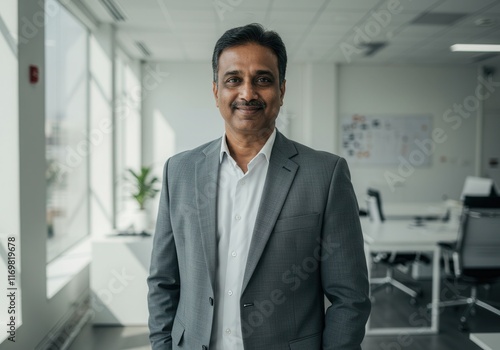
383 139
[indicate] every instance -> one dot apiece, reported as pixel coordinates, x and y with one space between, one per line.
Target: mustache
252 103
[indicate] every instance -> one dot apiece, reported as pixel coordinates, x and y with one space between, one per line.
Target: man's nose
247 92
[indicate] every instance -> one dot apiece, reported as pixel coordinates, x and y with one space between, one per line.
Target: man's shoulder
318 163
307 153
192 155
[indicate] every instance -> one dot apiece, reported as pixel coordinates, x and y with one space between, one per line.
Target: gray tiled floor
112 338
388 308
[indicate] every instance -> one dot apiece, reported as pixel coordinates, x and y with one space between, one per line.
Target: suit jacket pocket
297 222
177 332
310 342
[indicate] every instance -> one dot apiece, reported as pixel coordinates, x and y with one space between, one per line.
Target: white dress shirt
239 196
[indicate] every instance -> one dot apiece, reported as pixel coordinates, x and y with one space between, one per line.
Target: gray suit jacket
307 243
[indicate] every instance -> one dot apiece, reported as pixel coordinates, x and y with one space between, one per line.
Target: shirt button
237 217
230 292
243 182
233 254
228 331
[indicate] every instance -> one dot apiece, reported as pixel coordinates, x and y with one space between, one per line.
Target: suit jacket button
204 347
211 300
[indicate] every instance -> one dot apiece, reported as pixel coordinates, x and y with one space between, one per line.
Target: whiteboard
383 139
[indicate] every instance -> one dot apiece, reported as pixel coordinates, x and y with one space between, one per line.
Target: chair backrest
374 201
479 240
481 202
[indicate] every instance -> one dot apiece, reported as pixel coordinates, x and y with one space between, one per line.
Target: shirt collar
265 150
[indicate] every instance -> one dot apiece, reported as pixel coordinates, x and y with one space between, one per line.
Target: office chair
391 259
475 257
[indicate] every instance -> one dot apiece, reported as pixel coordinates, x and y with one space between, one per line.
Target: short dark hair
251 33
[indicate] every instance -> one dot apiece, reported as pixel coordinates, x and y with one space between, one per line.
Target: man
253 229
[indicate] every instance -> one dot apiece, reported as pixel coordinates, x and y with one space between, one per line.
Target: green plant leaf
144 185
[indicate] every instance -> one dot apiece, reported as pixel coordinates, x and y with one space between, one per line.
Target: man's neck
243 148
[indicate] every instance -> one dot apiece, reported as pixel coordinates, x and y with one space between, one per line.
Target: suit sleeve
163 280
344 271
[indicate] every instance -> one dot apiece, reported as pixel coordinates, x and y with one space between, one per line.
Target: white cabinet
119 269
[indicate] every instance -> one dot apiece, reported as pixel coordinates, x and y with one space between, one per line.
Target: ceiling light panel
114 10
439 18
475 48
466 6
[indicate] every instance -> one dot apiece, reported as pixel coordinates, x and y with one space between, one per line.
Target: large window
128 134
66 128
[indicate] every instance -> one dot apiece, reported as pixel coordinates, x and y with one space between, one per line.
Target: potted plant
55 180
144 188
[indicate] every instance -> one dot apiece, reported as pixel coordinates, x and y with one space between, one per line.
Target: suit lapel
206 175
279 178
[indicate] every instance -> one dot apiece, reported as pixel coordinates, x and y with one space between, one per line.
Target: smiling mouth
249 107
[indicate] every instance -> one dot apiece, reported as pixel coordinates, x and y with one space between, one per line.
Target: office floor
390 308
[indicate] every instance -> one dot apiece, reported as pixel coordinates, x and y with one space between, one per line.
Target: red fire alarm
34 75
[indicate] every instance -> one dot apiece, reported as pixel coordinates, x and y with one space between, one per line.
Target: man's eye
232 80
264 80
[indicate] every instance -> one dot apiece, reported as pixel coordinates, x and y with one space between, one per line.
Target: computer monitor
478 187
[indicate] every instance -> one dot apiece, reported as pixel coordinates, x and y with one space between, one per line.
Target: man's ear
215 90
282 91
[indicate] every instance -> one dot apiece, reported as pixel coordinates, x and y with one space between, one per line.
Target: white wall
128 132
178 109
9 140
39 314
404 90
311 100
9 209
101 51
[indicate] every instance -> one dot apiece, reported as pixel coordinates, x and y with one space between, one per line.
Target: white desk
411 210
401 237
487 341
119 268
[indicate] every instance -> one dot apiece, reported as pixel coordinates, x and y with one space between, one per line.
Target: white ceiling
313 30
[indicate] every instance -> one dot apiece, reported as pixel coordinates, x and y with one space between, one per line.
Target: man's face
248 93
